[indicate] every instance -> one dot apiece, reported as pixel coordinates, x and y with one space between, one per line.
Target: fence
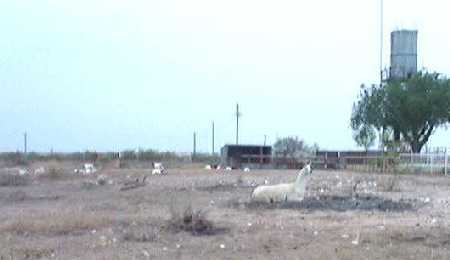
429 163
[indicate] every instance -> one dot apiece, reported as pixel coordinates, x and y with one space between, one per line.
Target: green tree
293 147
413 108
364 136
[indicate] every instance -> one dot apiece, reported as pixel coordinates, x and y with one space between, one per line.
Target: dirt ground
344 215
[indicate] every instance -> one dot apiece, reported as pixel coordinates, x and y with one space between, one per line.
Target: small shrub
101 180
240 181
391 184
35 253
140 235
54 173
88 185
194 222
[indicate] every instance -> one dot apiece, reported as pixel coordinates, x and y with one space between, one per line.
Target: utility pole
212 137
195 146
381 41
25 145
265 137
381 70
238 114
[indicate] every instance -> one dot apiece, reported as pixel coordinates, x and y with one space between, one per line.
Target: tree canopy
293 147
412 108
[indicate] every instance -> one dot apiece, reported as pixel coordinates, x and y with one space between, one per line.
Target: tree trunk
396 135
416 147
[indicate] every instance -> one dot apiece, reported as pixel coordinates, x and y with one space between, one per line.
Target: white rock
355 242
249 224
222 246
345 236
145 252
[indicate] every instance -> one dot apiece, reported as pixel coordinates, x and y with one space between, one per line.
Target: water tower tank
403 53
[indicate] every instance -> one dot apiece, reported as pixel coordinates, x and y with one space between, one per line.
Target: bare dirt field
200 214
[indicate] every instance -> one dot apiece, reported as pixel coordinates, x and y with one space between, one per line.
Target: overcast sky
110 74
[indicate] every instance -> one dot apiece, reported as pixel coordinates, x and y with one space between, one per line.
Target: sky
109 75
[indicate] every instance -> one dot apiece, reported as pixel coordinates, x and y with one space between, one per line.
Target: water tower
403 54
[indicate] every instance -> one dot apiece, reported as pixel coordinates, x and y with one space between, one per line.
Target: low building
246 156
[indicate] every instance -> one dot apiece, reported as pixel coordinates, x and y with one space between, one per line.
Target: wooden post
195 147
237 123
445 161
25 148
213 138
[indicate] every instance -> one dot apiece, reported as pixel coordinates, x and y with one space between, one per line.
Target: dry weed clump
141 235
194 222
391 184
55 224
34 253
54 173
13 180
17 196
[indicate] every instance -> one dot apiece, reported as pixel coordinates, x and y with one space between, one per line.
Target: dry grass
142 224
34 253
53 173
390 184
55 224
141 234
13 180
17 196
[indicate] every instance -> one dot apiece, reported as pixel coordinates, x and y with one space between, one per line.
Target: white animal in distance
283 192
158 169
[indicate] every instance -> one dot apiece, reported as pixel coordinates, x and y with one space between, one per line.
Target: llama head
307 168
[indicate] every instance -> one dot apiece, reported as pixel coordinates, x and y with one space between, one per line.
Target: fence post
445 162
431 163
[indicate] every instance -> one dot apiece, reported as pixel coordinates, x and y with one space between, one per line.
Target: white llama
283 192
